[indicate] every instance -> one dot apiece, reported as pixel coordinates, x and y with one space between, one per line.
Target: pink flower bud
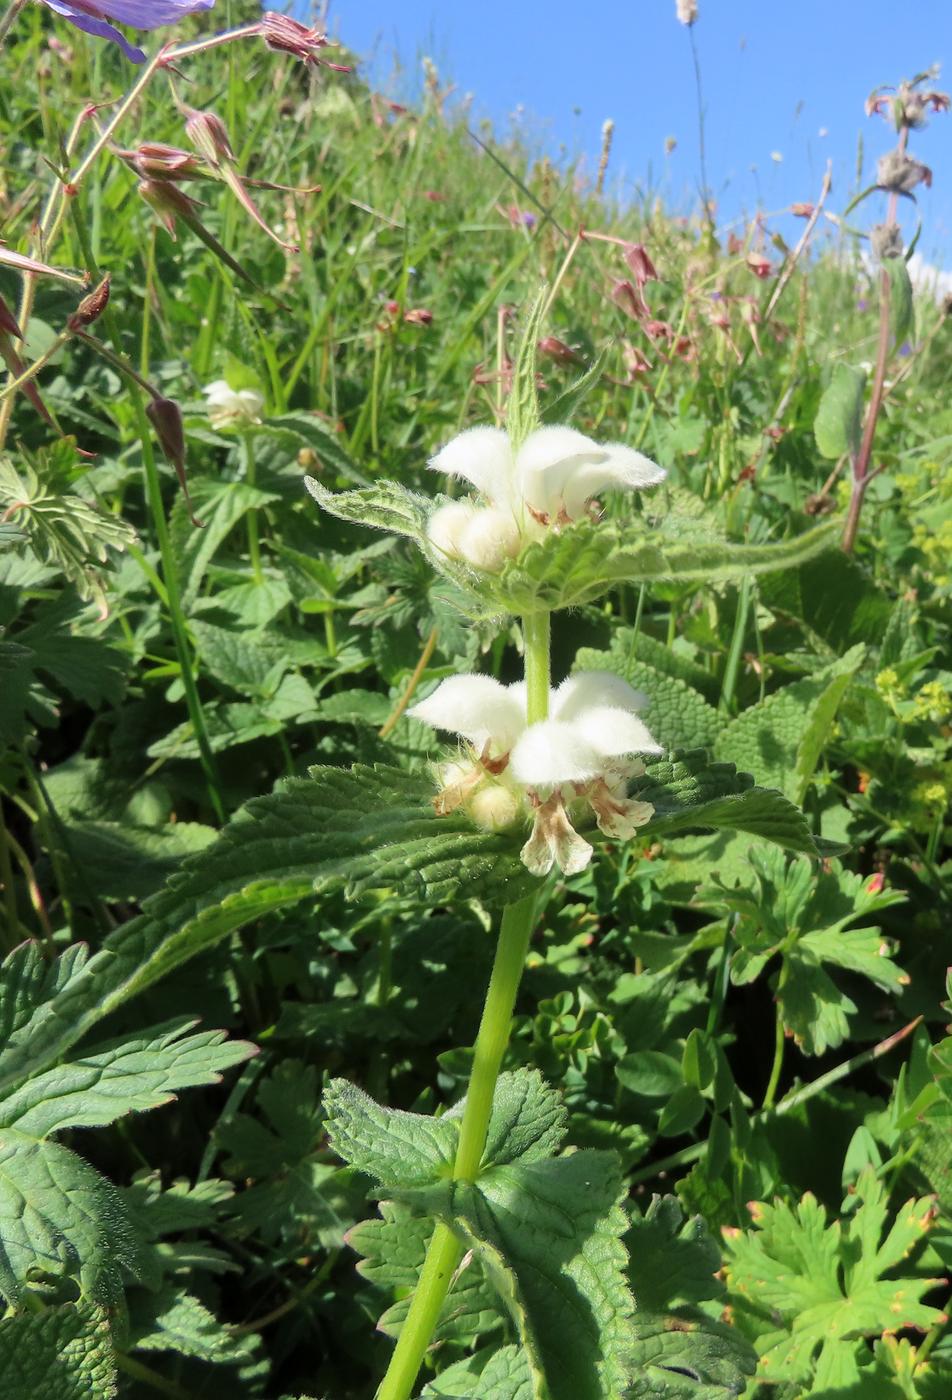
626 295
168 201
153 160
759 265
642 268
803 209
207 134
875 883
418 316
166 418
556 349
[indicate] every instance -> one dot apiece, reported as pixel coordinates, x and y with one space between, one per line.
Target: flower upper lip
592 723
554 474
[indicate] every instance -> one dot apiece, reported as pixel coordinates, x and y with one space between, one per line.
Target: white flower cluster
227 407
581 756
548 482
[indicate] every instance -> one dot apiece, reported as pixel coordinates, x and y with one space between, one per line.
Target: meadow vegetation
247 954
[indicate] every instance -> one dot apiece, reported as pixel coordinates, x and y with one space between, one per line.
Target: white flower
549 481
227 406
581 754
687 11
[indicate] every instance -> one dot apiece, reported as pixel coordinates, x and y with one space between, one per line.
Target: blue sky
775 76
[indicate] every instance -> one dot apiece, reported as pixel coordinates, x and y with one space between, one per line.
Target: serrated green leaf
58 1216
588 558
127 1076
691 793
781 739
62 1353
173 1320
839 417
806 1289
505 1376
583 560
522 408
548 1236
528 1119
336 830
394 1147
393 1249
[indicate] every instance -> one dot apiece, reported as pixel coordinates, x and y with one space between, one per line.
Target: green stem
780 1041
536 637
254 544
732 668
444 1250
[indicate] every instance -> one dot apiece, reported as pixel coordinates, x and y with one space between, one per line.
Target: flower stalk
445 1250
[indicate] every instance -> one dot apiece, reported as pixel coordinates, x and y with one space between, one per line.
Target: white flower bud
445 526
488 539
494 807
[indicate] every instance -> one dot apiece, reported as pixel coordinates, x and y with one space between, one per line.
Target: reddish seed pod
90 308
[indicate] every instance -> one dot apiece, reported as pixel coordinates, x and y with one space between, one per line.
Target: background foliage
760 1040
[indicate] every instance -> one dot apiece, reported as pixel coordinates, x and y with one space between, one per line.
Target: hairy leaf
548 1236
839 416
61 1353
126 1076
505 1376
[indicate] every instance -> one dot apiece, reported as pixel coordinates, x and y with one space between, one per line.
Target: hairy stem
537 637
444 1250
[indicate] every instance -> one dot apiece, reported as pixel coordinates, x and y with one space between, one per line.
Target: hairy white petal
550 753
547 461
226 405
477 707
584 689
621 467
483 457
446 525
489 538
611 732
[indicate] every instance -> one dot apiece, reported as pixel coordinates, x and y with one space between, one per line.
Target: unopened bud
803 209
418 316
166 418
901 173
556 349
626 295
687 11
207 134
307 457
886 241
759 265
90 308
642 268
168 201
155 161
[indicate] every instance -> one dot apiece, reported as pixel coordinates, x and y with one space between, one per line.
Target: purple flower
138 14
